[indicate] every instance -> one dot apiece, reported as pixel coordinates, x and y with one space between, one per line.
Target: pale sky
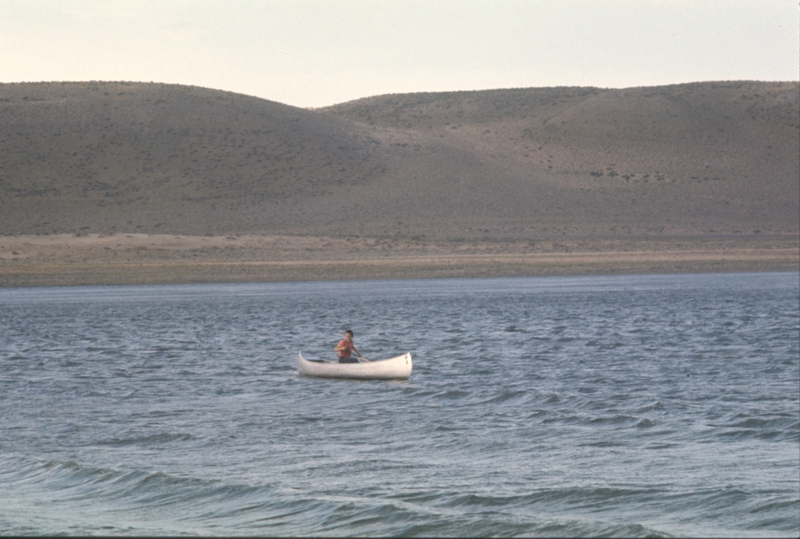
312 53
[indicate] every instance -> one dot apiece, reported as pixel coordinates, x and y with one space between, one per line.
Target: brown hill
694 159
688 159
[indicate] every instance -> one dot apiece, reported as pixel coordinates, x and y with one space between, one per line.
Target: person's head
348 335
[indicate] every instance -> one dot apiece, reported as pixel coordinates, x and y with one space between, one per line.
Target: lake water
615 406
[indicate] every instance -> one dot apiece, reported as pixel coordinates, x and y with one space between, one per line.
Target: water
615 406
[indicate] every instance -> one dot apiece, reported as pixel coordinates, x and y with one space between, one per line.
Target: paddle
362 357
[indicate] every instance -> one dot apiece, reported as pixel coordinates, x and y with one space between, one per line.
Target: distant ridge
715 158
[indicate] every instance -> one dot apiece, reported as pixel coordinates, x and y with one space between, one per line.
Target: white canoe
396 368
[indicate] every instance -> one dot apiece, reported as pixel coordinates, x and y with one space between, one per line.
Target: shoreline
128 259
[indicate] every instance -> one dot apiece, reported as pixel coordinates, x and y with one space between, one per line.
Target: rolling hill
716 158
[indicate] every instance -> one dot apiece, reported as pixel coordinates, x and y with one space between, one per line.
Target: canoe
396 368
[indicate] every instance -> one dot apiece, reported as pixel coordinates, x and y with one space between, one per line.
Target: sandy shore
66 259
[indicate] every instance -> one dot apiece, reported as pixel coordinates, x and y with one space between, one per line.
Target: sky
313 53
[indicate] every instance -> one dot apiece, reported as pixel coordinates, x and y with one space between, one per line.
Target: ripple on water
649 405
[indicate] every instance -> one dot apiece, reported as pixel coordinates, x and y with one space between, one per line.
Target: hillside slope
153 157
686 159
696 159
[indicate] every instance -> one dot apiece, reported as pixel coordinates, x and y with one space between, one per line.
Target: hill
689 159
718 158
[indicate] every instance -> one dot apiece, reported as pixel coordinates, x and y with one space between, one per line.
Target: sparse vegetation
527 164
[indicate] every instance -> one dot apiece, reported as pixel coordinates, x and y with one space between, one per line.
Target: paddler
345 347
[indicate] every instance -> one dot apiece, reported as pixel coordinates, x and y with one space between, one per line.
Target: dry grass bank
64 260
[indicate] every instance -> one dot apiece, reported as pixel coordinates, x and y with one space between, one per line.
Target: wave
154 502
770 429
149 440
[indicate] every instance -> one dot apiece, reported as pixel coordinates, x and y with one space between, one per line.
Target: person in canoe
346 347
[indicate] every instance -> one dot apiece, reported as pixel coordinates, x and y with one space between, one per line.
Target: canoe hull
396 368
